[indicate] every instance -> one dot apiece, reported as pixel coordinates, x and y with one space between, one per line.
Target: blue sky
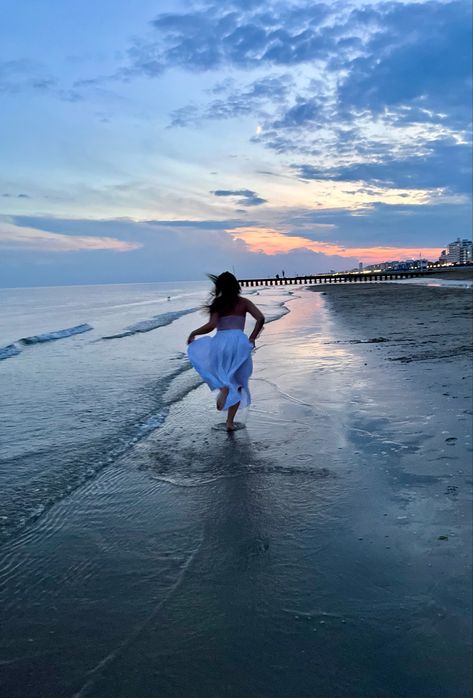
164 140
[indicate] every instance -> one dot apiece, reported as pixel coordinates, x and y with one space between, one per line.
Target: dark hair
225 295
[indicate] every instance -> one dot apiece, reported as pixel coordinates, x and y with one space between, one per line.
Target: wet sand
323 551
412 323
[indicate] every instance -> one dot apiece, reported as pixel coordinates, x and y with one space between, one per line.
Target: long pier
338 277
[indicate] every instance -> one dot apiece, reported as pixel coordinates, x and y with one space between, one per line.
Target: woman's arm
258 316
205 329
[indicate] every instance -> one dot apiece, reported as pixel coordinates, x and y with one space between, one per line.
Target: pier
341 277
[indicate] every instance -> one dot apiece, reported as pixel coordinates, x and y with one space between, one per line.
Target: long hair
225 294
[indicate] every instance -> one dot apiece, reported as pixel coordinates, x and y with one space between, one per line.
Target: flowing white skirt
224 361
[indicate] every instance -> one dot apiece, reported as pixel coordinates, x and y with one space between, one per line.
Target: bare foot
231 427
222 398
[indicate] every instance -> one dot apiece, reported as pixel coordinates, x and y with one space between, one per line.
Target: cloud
19 237
162 252
245 35
380 224
18 75
420 55
248 197
24 75
444 164
385 95
385 54
274 242
354 104
360 87
170 250
121 228
236 100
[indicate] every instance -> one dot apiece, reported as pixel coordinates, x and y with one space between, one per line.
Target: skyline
174 139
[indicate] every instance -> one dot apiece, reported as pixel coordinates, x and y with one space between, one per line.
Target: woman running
224 360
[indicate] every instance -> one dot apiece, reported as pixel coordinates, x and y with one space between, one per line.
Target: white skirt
224 361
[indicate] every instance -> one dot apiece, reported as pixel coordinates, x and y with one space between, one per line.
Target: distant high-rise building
459 252
360 266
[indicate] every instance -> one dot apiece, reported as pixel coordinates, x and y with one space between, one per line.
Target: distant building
458 252
397 265
360 266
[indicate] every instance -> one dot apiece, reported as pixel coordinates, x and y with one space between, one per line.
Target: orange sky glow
271 241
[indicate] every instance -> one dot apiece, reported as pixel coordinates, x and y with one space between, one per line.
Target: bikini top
231 322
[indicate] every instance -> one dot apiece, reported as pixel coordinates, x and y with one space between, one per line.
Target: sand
324 550
413 323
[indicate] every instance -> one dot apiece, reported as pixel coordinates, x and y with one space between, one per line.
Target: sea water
86 371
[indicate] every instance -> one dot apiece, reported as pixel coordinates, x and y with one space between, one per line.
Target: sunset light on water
236 336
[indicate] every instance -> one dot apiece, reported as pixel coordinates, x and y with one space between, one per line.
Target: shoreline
320 551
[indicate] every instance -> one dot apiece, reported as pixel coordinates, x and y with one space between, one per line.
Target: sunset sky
162 140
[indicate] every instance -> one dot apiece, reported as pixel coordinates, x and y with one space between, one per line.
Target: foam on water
9 351
276 312
58 334
273 311
152 323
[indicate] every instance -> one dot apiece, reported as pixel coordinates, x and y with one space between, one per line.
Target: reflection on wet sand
321 551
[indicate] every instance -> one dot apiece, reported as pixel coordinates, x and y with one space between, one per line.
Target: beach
324 550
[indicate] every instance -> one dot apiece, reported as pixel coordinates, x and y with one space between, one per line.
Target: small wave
153 422
68 471
152 324
273 314
58 334
9 351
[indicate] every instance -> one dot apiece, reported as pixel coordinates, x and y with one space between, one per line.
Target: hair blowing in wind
225 293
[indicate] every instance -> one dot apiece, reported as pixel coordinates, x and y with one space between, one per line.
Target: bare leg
221 399
231 416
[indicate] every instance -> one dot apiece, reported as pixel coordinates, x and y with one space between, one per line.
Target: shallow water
71 405
300 556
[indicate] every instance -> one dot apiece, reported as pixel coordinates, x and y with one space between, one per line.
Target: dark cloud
248 197
16 196
236 101
428 225
399 64
120 228
200 225
445 164
239 34
166 253
391 53
304 112
420 56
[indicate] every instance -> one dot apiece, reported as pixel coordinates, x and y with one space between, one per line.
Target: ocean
86 372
